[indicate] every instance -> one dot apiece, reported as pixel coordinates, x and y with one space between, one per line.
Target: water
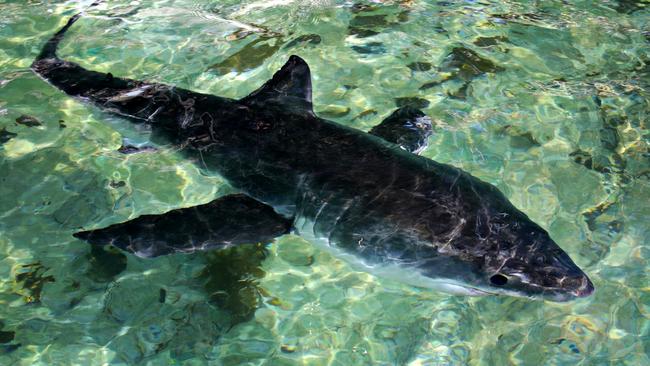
549 101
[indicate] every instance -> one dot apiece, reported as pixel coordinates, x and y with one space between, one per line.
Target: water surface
547 100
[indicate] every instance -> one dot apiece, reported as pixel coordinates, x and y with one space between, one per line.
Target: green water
548 100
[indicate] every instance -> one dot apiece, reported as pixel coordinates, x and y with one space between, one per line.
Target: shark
368 198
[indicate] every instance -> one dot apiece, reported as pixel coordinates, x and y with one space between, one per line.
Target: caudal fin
49 50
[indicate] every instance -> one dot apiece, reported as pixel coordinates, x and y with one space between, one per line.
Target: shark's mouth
455 288
477 292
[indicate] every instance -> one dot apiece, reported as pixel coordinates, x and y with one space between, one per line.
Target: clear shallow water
549 101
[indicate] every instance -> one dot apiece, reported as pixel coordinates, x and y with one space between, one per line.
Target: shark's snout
572 281
585 289
573 288
569 287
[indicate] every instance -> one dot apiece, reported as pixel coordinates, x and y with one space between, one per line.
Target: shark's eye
499 280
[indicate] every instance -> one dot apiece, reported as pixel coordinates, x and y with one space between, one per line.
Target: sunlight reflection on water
548 101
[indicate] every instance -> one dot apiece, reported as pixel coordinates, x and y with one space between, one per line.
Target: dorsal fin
291 85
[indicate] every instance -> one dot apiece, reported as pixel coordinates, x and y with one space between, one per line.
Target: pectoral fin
127 149
407 127
227 221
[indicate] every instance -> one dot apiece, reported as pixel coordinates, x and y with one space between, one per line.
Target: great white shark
366 197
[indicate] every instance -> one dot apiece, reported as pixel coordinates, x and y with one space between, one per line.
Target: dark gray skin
393 212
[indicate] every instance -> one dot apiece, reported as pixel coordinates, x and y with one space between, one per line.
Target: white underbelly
410 275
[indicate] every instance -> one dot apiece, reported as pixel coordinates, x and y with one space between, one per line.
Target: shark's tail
49 50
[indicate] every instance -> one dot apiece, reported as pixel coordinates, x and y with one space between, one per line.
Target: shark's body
368 200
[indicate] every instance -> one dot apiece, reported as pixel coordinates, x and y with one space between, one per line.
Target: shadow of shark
366 197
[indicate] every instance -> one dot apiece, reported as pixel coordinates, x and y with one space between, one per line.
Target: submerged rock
432 84
519 138
5 135
361 32
365 114
462 64
420 66
333 111
469 64
631 6
460 93
370 48
305 39
368 20
32 281
415 102
518 18
28 121
582 158
6 336
250 56
490 41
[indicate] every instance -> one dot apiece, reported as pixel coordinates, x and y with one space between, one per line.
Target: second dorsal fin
407 127
291 85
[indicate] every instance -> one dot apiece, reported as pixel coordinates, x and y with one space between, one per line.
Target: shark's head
500 251
530 264
508 255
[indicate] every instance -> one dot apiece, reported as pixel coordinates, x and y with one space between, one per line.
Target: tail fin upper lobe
49 50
